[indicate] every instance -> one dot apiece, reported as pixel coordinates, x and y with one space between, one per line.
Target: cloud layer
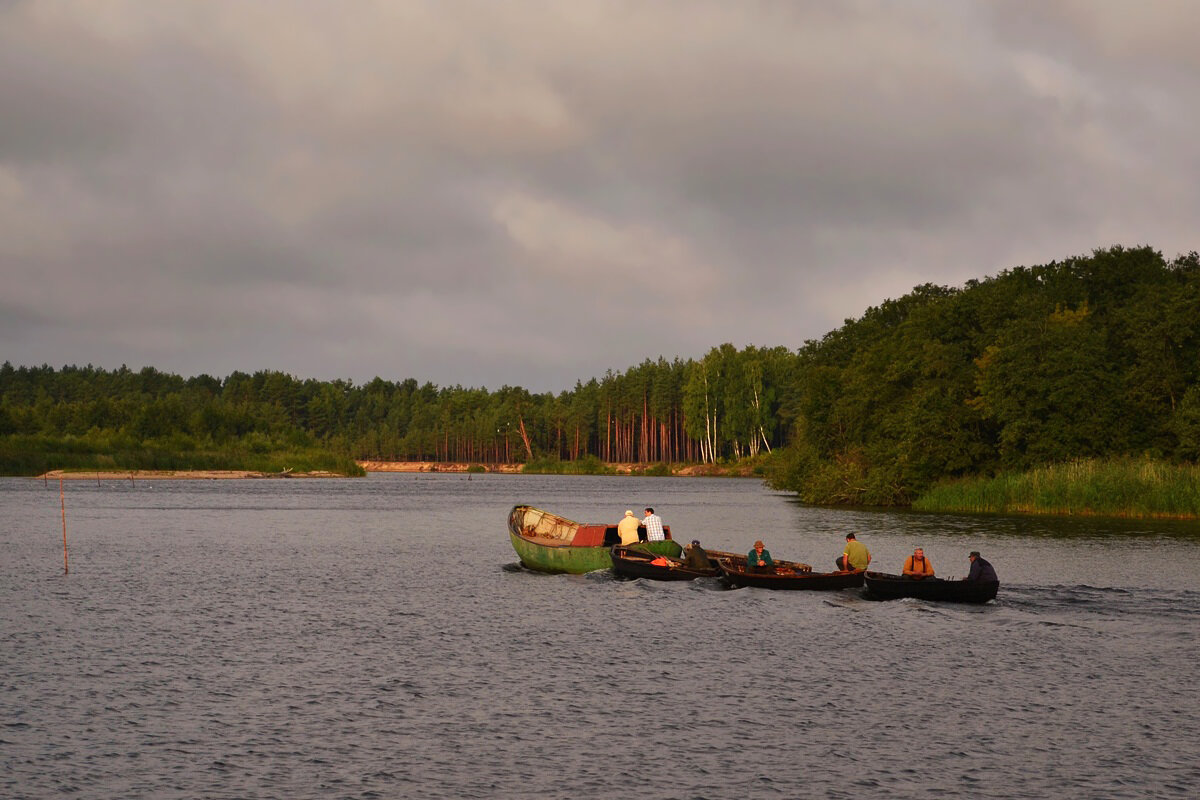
529 194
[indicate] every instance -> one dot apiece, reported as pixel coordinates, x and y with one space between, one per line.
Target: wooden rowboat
883 586
547 542
786 575
634 561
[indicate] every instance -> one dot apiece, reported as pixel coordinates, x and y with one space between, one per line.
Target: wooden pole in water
62 498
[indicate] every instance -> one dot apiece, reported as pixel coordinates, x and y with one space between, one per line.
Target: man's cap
973 554
696 542
628 513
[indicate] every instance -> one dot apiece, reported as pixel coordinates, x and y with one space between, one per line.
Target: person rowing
981 569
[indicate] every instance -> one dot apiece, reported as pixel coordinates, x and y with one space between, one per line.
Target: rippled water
374 638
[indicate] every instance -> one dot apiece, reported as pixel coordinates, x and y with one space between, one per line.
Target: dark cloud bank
527 194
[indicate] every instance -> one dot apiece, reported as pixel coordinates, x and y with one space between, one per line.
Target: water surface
374 638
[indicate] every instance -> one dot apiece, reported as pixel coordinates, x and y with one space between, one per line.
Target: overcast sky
489 193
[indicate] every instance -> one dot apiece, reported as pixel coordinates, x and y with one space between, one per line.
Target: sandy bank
179 475
687 470
434 466
683 470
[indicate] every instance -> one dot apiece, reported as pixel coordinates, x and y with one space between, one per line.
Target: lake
375 638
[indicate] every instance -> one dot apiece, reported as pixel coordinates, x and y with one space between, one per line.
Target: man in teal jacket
759 557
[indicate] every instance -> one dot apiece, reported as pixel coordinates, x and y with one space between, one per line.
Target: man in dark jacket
981 569
694 556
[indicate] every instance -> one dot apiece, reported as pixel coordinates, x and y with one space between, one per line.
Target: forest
1095 356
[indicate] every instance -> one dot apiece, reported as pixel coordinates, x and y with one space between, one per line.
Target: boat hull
738 576
632 564
577 560
883 586
547 542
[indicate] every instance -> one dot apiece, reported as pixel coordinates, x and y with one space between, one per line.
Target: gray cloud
522 193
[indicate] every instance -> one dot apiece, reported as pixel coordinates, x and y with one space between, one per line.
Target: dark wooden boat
786 575
548 542
634 561
883 586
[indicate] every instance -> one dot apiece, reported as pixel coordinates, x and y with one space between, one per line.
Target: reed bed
1135 488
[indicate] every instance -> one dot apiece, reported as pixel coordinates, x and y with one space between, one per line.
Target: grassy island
1102 487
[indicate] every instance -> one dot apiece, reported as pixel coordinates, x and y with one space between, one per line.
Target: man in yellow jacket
627 528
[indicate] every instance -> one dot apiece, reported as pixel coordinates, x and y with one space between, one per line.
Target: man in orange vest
917 566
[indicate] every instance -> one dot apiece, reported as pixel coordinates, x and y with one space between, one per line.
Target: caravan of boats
548 542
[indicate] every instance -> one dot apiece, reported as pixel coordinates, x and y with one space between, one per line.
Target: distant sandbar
175 474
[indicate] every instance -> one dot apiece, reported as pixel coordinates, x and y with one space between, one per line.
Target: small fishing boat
786 575
883 586
634 561
548 542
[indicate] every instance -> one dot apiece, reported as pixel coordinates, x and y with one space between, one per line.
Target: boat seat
589 536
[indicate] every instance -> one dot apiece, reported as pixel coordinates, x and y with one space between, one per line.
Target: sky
533 193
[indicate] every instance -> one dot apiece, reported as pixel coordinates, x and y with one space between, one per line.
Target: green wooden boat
547 542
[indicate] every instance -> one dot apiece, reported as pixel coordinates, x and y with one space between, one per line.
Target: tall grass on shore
1136 488
588 465
34 455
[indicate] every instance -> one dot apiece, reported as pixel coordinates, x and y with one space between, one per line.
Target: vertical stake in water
62 498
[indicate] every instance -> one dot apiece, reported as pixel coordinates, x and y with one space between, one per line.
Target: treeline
1091 357
726 405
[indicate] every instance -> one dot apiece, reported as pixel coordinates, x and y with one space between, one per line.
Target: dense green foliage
725 405
1121 487
32 455
588 465
1096 356
1091 357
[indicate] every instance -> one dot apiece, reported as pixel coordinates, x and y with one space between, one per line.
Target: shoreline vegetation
945 399
1122 488
582 467
431 467
1129 488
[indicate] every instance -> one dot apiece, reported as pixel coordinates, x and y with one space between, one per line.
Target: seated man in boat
627 528
759 558
981 569
856 555
917 566
694 556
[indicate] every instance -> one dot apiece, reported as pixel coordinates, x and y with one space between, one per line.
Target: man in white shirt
654 526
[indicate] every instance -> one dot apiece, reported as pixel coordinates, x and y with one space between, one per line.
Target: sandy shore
433 466
369 466
621 469
178 475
